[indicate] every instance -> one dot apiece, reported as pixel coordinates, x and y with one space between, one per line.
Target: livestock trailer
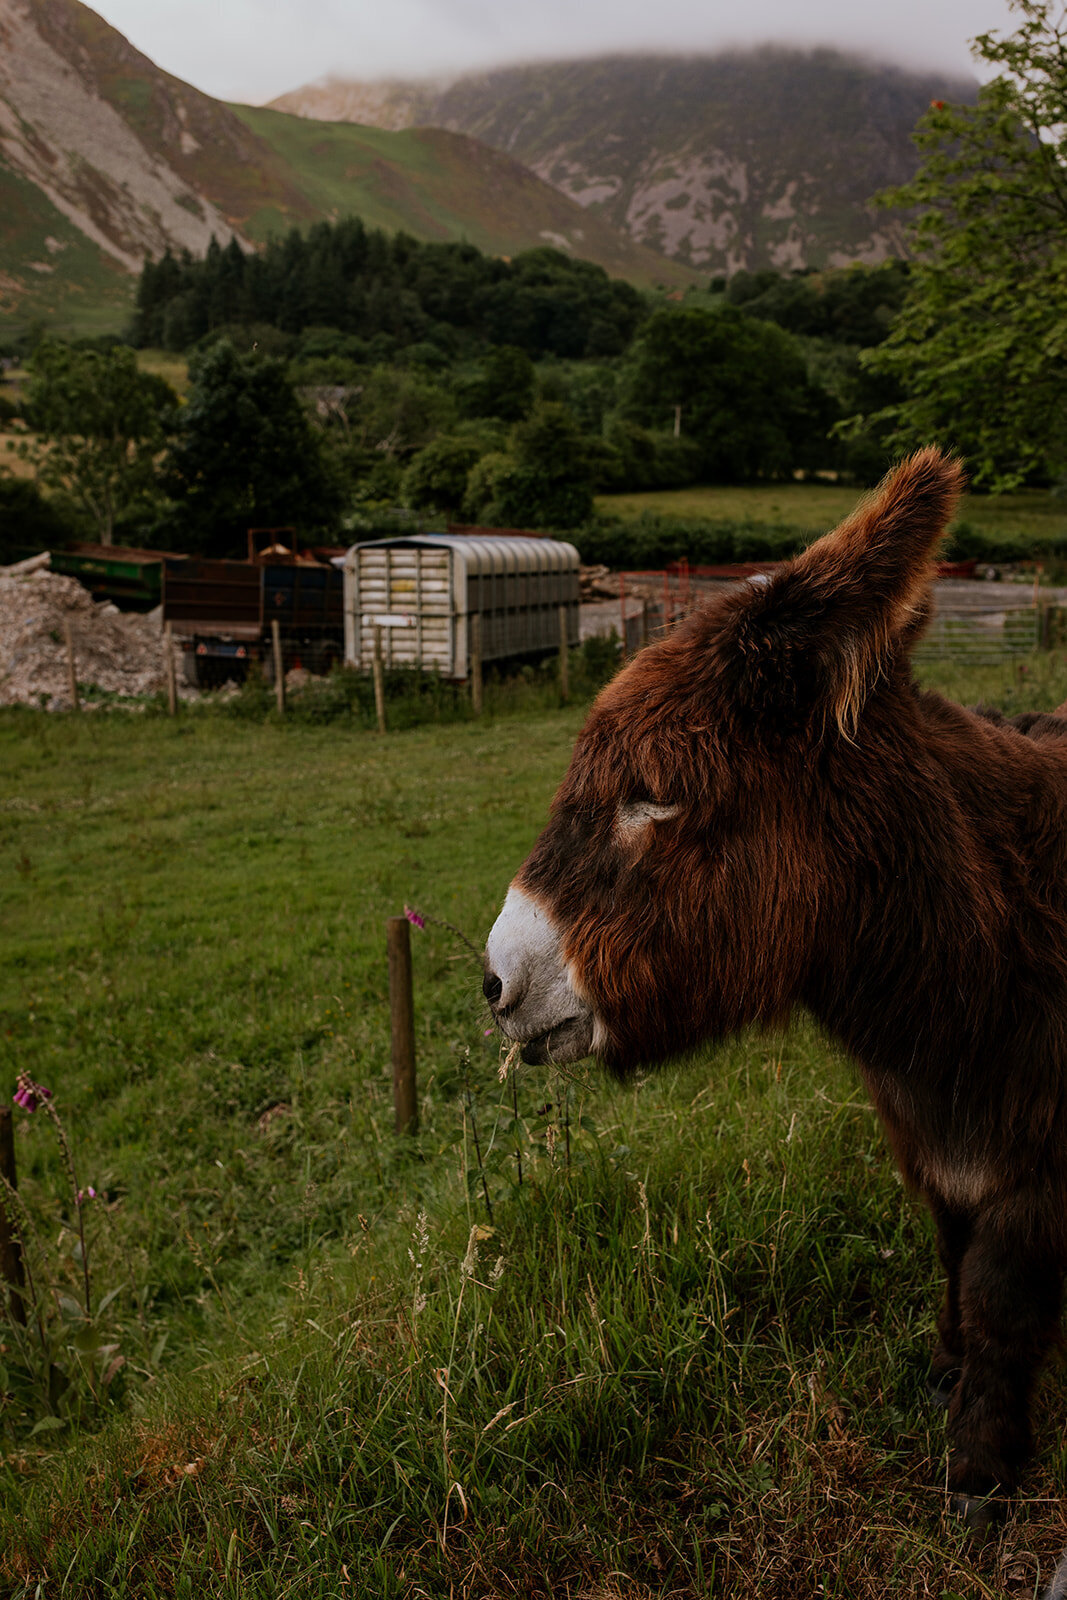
423 589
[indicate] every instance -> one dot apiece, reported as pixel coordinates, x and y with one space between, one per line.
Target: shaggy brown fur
890 861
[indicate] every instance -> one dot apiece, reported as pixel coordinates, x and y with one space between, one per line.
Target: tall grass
683 1355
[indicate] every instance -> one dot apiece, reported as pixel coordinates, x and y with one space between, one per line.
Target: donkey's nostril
492 988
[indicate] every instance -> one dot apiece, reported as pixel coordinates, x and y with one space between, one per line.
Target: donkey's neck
950 860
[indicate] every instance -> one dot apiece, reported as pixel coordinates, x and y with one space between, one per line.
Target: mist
253 50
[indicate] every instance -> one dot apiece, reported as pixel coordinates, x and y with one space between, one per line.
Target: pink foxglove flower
415 917
29 1094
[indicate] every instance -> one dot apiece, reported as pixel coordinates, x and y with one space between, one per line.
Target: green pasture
1033 514
572 1339
173 369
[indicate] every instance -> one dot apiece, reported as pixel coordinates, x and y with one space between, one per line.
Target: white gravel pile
120 652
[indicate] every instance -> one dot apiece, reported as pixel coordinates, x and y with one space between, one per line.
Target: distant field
683 1358
173 368
819 506
9 460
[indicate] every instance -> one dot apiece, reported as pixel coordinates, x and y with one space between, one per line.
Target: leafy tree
29 522
743 388
437 476
542 480
504 388
980 346
849 305
391 291
245 455
588 388
100 425
399 411
636 458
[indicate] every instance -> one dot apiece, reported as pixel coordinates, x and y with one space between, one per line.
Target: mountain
761 158
106 159
438 184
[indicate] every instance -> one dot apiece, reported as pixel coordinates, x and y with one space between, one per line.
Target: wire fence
974 622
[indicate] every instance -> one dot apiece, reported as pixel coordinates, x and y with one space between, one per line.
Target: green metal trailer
132 578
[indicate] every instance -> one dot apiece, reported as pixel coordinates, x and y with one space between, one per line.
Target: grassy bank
572 1339
818 506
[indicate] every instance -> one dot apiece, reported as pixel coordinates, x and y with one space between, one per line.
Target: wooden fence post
10 1249
72 679
622 618
402 1024
379 679
279 665
474 622
1044 627
171 671
564 656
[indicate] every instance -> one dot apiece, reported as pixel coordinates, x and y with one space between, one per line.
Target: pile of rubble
594 583
118 652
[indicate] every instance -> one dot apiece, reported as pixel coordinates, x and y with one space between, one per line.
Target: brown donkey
763 811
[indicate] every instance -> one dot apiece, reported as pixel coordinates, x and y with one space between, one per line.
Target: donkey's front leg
1009 1295
954 1231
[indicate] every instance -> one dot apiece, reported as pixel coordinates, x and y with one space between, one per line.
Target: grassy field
573 1339
10 461
821 505
174 368
165 364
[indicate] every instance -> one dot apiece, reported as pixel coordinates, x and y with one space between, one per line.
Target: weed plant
574 1338
64 1355
414 698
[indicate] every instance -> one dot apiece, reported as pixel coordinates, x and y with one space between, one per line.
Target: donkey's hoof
977 1512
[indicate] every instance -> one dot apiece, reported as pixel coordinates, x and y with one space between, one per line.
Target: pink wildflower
28 1094
86 1194
415 917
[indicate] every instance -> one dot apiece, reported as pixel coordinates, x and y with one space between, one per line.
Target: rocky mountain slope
439 184
105 158
762 158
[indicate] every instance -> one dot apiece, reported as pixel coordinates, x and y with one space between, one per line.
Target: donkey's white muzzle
529 988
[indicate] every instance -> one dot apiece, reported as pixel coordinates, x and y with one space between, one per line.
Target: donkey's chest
963 1184
942 1149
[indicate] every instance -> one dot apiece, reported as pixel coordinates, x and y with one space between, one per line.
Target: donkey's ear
827 625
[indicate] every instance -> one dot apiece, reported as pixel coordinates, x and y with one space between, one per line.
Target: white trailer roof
483 555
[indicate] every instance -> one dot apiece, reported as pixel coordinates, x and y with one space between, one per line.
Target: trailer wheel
214 671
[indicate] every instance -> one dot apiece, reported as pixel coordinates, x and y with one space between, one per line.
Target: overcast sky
252 50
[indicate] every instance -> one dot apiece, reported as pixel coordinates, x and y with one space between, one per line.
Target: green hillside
50 272
199 138
438 185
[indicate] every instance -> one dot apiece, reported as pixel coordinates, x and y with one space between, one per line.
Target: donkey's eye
638 813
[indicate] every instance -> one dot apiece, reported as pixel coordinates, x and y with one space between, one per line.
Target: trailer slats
422 590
